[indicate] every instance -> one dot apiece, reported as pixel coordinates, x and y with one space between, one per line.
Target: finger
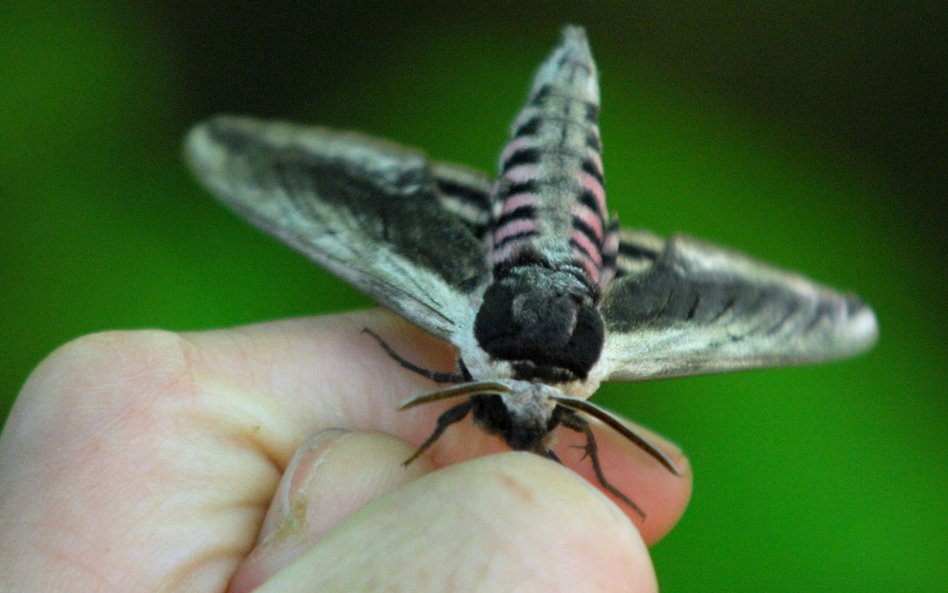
330 374
156 438
662 495
496 523
119 471
324 369
330 477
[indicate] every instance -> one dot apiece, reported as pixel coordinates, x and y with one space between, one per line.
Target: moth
528 275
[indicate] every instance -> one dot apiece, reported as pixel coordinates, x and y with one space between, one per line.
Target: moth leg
555 420
433 375
574 421
452 415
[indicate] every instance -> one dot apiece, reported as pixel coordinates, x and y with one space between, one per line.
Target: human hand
146 461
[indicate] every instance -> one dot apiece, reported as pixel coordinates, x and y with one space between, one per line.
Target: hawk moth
528 275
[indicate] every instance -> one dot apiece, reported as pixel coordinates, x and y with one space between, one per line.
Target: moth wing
682 307
367 210
465 193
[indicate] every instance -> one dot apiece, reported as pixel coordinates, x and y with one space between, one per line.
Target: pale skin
270 456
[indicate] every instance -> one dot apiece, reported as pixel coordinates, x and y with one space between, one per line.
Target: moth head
544 321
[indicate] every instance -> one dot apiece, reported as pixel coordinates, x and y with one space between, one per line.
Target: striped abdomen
549 201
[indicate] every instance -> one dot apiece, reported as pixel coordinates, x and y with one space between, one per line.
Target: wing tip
202 152
862 327
211 146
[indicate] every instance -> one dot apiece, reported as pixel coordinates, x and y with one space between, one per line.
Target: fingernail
333 475
283 514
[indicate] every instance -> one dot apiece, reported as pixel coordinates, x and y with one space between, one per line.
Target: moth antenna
455 414
574 422
579 405
473 388
435 376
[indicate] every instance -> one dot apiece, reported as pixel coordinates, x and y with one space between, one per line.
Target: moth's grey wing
638 251
466 193
367 210
682 307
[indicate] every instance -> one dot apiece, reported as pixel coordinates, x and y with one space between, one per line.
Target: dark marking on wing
466 194
692 307
308 186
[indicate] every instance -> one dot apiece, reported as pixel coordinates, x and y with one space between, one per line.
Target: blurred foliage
807 134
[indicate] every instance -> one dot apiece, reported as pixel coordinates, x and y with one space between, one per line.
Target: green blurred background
810 135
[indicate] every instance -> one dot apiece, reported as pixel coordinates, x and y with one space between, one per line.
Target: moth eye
587 341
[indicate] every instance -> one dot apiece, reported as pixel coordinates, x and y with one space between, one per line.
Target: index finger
331 375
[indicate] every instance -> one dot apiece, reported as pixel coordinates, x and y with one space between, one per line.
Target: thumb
512 520
334 474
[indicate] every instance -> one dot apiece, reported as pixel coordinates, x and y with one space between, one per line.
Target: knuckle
104 375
